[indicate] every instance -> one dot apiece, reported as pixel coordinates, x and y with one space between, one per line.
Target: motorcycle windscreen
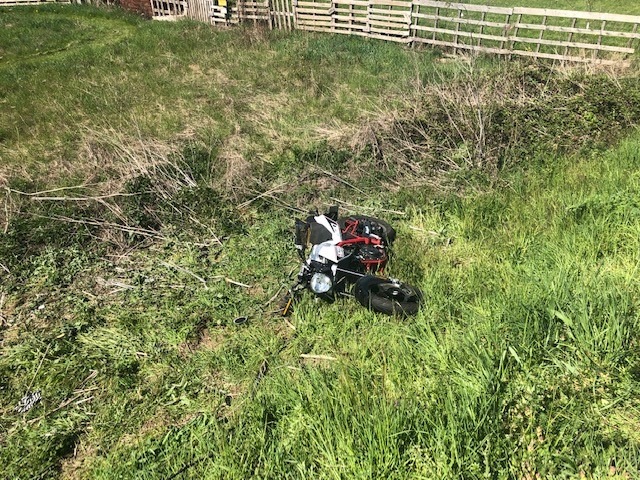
332 228
318 234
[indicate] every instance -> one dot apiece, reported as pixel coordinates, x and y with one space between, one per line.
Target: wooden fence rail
21 2
15 3
541 33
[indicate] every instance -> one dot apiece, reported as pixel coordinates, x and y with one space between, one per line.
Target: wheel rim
397 292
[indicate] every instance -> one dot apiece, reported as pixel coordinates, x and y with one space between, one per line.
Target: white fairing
326 250
333 227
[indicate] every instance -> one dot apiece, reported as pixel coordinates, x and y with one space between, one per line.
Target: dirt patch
204 340
75 466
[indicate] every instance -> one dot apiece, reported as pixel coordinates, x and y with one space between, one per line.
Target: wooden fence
541 33
10 3
13 3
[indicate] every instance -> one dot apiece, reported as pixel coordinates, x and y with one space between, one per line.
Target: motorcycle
346 257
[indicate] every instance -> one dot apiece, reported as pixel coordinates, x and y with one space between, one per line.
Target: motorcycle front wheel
387 296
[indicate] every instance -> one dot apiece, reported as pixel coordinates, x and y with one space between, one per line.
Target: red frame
350 229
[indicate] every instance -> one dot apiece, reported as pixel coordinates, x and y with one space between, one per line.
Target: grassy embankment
517 214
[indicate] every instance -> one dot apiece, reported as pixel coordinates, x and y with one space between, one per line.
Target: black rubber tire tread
388 230
365 292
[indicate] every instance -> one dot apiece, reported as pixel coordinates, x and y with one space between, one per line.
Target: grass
197 78
606 6
195 150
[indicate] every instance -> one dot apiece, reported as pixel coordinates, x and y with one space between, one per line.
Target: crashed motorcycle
347 257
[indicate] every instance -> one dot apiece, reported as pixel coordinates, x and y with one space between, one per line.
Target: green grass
523 363
606 6
250 83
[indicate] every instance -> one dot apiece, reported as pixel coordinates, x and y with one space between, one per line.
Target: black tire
379 227
386 296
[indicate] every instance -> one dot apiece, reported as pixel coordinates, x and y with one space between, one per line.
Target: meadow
151 173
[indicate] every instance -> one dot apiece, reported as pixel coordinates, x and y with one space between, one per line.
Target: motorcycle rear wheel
387 296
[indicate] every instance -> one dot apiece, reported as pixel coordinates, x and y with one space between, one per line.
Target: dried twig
3 319
206 227
7 212
274 297
38 369
92 375
233 282
145 232
267 193
359 208
36 194
317 357
85 390
82 199
336 177
76 395
430 232
88 399
188 272
60 407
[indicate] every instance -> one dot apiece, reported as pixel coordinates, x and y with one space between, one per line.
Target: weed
150 202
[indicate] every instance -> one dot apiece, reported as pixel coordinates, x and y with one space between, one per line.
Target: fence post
435 23
413 20
573 25
455 37
603 25
544 24
482 19
511 43
635 30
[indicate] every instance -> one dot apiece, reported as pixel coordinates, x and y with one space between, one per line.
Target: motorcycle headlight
320 283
